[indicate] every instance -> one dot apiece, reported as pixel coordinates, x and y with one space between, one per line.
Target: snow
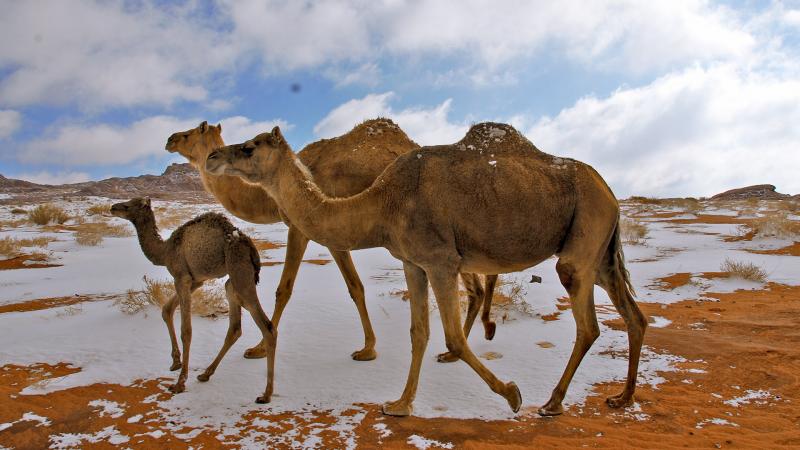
320 328
752 396
423 443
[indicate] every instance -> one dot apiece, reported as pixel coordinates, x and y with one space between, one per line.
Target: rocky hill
761 191
179 181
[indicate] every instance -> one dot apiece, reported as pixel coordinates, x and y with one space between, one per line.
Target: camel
490 203
342 166
206 247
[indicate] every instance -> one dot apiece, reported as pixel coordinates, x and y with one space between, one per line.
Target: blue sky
665 98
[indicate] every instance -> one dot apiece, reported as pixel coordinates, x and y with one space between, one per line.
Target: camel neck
152 245
338 223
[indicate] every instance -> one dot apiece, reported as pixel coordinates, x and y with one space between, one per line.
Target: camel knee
456 346
356 290
566 274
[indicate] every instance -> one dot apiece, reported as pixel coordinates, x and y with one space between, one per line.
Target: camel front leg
183 289
168 314
417 283
296 245
356 289
445 288
472 283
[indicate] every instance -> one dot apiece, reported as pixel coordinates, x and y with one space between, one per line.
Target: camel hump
494 136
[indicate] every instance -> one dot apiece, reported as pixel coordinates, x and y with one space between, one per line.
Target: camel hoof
177 388
205 376
513 396
256 352
397 408
262 399
446 357
175 366
489 329
619 401
551 410
366 354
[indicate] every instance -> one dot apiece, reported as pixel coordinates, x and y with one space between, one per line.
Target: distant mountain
179 181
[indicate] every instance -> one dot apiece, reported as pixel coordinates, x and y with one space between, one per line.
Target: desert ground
84 354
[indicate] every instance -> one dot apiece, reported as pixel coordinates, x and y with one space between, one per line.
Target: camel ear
276 134
219 127
147 201
204 126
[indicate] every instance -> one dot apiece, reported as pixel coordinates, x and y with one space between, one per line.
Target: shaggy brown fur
206 247
342 166
490 203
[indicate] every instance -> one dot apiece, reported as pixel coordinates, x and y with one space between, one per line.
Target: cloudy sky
666 98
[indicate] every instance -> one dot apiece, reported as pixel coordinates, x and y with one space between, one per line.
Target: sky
663 98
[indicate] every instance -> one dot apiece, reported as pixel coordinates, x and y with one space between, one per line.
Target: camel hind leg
475 294
233 334
613 277
489 327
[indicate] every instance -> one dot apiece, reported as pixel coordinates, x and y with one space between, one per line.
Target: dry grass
744 270
510 296
92 233
171 218
208 301
19 211
11 247
777 225
98 210
633 231
46 214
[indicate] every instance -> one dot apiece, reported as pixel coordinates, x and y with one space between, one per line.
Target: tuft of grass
774 225
171 218
208 301
92 233
633 231
98 210
11 247
47 213
744 270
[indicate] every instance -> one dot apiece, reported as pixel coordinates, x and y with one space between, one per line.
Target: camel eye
248 151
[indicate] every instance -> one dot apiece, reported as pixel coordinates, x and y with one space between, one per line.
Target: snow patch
423 443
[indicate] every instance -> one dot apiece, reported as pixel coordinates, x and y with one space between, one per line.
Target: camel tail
255 260
619 273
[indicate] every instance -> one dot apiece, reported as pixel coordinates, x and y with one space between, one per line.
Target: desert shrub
98 210
632 231
92 233
752 202
744 270
509 295
47 213
11 247
646 200
208 301
774 225
19 211
689 204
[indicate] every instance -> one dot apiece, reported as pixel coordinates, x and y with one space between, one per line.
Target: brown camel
343 166
204 248
490 203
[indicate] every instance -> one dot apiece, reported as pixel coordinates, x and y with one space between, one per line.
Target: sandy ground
734 380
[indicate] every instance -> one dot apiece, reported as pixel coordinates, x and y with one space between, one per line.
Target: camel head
195 144
254 161
132 209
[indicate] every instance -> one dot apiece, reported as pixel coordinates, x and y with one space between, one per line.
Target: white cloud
10 122
625 35
694 132
75 145
367 74
104 144
239 128
425 126
102 54
45 177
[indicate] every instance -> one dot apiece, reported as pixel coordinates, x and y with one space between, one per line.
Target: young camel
490 203
342 166
206 247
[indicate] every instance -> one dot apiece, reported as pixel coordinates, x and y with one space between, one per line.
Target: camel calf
204 248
